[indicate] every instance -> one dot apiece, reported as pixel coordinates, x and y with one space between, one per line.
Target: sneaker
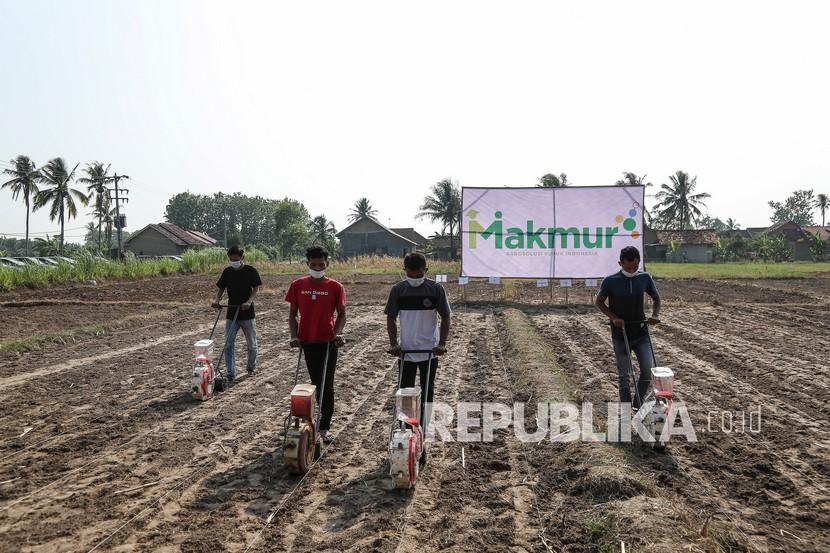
251 372
327 438
230 378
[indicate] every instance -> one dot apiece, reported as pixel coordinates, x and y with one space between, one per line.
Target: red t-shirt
317 302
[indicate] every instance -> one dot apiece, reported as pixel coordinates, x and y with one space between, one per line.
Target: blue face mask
415 281
629 275
235 264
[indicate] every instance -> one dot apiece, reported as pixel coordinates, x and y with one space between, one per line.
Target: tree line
282 228
679 206
51 186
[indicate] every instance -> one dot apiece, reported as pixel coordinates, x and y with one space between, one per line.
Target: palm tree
550 180
47 247
23 182
822 204
109 219
732 224
444 205
677 203
631 179
362 210
322 231
96 181
59 196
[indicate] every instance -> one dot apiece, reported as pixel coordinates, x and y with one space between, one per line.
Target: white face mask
629 275
415 281
235 264
317 274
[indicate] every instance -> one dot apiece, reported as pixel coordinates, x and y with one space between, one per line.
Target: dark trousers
408 381
315 356
641 347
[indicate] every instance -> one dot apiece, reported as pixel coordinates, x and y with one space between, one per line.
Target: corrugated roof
381 225
821 232
702 236
411 234
177 235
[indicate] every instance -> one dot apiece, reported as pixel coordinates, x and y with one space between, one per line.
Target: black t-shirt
625 299
239 283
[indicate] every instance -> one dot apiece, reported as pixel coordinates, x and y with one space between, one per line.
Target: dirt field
105 450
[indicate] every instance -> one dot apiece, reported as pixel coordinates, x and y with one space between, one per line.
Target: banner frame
627 186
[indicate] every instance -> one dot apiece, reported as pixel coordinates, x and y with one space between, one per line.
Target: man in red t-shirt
316 298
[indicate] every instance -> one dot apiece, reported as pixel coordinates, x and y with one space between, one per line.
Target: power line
31 232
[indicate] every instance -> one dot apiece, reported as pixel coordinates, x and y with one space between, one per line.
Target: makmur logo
533 236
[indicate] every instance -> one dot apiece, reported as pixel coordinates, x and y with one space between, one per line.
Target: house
368 236
166 239
439 248
692 245
798 240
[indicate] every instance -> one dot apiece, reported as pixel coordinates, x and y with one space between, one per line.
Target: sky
327 102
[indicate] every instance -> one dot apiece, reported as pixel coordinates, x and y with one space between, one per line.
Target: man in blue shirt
624 291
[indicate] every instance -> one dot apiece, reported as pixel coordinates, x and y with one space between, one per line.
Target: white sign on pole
542 283
440 278
494 280
463 280
565 283
572 232
591 283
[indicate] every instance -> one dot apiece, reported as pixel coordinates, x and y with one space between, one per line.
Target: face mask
235 264
629 275
415 281
317 274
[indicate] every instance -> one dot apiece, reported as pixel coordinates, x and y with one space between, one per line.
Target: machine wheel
218 383
305 450
318 448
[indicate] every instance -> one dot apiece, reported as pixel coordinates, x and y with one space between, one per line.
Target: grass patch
536 367
36 341
747 270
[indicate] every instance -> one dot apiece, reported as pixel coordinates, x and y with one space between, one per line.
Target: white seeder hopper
407 448
203 375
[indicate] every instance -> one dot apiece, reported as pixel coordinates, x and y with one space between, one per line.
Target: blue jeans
249 330
641 347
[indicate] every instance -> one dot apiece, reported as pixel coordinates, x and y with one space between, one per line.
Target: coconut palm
322 231
444 205
96 181
678 206
109 219
631 179
60 196
732 224
362 210
23 182
822 204
550 180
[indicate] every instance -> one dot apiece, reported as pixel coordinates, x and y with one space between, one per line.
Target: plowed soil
104 449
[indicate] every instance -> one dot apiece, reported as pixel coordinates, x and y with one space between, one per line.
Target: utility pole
118 199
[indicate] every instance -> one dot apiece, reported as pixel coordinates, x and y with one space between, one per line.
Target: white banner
569 232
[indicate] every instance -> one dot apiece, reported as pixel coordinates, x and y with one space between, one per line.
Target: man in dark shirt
242 282
624 291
